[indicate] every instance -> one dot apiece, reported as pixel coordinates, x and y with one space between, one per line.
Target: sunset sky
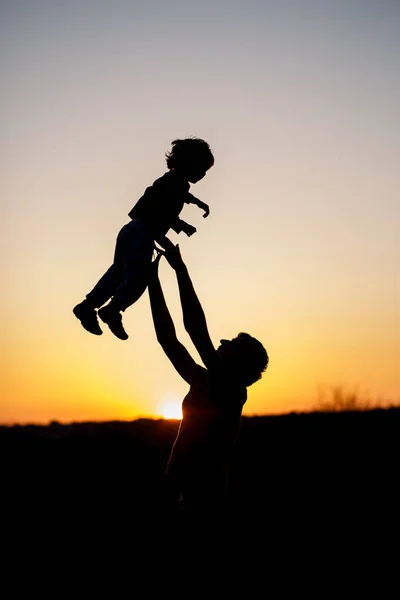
299 101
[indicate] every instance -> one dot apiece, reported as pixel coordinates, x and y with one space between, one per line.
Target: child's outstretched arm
165 329
193 315
193 200
178 225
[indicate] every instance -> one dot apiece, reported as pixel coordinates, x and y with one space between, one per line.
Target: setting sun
172 409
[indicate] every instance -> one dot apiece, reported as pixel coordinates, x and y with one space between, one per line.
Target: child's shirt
162 203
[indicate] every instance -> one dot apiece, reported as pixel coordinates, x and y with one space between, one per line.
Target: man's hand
188 229
154 265
173 256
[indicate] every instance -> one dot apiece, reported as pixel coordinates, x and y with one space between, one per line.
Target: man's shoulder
201 371
200 374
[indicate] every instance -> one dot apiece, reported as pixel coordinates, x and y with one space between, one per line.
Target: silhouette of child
152 216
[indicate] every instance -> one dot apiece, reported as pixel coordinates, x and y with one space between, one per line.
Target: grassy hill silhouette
305 489
318 463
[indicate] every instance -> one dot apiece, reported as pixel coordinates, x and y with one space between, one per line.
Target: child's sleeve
190 199
178 225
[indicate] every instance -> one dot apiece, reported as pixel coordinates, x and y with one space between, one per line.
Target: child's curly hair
190 151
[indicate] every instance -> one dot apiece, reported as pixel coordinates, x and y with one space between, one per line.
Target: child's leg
134 253
105 287
137 247
113 277
136 280
102 292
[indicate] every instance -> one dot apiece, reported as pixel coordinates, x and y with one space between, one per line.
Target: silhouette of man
197 469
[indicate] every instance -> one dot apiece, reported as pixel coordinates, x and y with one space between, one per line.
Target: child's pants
127 278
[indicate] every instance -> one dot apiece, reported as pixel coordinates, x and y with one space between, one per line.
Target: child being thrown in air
153 215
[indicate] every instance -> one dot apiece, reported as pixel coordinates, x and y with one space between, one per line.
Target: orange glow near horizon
171 409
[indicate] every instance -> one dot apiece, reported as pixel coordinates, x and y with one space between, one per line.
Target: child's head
191 158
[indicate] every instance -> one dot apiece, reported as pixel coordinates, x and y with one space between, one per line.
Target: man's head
245 357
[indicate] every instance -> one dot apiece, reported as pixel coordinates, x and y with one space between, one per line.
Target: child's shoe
113 318
88 317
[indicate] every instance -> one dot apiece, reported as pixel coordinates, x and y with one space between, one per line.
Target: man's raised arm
193 315
165 329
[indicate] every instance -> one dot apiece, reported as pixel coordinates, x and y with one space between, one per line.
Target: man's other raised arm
165 329
193 315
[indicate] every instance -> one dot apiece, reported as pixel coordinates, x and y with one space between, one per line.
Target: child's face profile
196 174
197 177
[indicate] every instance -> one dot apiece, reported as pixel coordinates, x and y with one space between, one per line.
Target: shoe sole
111 328
81 319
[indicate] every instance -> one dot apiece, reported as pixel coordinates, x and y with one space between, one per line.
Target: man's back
200 456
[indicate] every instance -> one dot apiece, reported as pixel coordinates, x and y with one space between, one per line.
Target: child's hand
189 229
200 204
206 209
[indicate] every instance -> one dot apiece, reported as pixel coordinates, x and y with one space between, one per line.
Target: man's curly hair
252 360
190 151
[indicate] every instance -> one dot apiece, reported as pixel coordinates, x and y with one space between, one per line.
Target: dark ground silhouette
294 479
313 462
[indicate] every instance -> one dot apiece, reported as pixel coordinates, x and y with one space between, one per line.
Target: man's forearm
193 314
162 241
163 323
